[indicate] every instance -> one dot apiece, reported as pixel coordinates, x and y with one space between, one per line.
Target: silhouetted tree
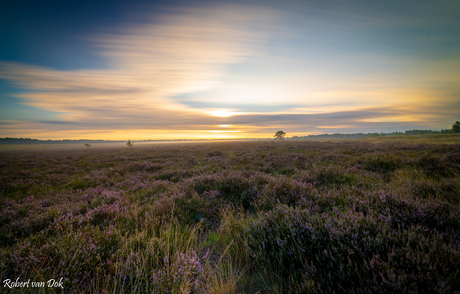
456 127
87 145
130 144
279 135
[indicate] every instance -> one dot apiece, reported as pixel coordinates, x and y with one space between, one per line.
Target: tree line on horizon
455 129
364 135
278 135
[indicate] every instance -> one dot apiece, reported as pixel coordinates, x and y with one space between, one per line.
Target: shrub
215 153
188 274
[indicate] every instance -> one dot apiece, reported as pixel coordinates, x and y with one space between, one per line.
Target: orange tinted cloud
148 64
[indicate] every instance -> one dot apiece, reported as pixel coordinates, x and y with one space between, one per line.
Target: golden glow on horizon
137 135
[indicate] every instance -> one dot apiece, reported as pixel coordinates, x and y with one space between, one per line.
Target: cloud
191 50
186 51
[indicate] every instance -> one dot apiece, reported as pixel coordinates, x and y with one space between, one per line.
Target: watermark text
52 283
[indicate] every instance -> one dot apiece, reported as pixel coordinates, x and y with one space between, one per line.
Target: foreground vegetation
234 217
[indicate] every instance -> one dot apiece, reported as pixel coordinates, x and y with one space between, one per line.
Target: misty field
302 216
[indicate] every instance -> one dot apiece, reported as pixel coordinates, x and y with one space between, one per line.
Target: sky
140 70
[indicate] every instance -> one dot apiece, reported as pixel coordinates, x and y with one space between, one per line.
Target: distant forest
362 135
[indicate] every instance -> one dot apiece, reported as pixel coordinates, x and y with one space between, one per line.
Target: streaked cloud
182 53
243 71
336 127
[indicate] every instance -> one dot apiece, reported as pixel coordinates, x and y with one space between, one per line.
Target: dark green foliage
456 127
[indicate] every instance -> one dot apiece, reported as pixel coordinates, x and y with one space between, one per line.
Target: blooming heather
291 216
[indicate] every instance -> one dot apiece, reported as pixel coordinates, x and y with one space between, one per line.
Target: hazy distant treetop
279 135
456 127
130 144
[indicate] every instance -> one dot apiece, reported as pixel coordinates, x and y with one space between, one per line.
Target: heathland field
376 215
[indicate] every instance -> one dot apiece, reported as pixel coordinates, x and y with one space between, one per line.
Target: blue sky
221 69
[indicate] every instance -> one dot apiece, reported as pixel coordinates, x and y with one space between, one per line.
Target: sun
223 112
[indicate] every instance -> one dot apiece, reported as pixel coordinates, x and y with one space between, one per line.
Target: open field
376 215
110 145
436 139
